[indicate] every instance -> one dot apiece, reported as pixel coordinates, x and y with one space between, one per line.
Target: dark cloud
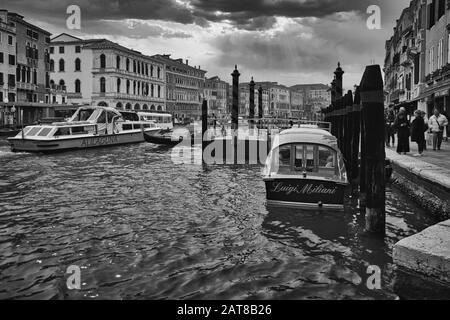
308 46
244 14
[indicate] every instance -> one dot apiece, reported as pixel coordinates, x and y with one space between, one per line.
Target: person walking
389 126
436 123
418 128
402 125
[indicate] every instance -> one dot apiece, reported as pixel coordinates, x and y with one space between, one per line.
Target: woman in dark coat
418 129
402 125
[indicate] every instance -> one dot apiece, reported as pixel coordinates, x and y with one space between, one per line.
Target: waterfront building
24 70
185 86
215 93
7 58
417 62
297 103
315 97
101 72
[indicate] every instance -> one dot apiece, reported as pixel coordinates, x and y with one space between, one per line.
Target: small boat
305 168
8 132
163 137
89 127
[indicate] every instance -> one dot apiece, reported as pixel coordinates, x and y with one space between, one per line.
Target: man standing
389 126
436 123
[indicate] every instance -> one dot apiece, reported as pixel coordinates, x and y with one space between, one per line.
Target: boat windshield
82 115
314 160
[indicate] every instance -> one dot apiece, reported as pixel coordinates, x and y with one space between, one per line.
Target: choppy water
142 227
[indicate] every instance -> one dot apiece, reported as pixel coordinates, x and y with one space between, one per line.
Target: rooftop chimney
187 62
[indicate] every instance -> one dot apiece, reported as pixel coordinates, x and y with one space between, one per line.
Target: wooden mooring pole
372 100
348 131
252 103
235 111
204 126
356 131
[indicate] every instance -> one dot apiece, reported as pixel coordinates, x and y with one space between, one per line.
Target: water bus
89 127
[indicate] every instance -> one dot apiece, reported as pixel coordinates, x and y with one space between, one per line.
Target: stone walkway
439 158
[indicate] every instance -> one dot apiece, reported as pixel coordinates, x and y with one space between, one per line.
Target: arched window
119 106
128 106
159 91
118 84
151 71
138 67
128 64
61 65
159 108
102 61
77 64
146 70
102 104
145 107
134 66
152 107
152 90
102 85
137 106
159 72
146 89
134 87
77 86
118 62
52 65
128 86
62 83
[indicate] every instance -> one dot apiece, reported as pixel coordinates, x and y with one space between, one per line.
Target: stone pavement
439 158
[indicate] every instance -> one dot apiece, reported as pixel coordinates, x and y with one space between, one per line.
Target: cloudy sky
288 41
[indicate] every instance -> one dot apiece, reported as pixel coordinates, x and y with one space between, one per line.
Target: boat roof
305 136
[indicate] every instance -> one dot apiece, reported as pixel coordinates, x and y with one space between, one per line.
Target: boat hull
162 138
74 143
305 193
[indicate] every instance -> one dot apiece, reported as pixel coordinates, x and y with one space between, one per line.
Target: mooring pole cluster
357 121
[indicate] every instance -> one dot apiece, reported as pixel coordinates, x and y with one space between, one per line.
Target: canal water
142 227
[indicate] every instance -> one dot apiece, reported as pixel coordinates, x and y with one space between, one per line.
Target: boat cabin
307 153
162 120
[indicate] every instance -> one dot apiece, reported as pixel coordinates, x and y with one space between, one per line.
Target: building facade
24 48
7 58
417 63
185 86
297 104
101 72
215 93
315 98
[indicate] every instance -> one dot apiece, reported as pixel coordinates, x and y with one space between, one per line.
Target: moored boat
89 127
305 168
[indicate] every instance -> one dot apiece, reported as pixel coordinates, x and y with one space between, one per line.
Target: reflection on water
142 227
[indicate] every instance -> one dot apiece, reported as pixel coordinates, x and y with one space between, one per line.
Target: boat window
84 115
298 162
127 127
137 126
34 131
62 132
102 118
44 132
327 158
285 158
111 115
79 130
26 130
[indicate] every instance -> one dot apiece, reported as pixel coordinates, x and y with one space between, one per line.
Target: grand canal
142 227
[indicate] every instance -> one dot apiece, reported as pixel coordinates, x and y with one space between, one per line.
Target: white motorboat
305 168
89 127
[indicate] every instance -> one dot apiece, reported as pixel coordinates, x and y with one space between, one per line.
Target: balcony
26 86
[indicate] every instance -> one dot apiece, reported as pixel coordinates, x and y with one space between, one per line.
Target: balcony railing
26 86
